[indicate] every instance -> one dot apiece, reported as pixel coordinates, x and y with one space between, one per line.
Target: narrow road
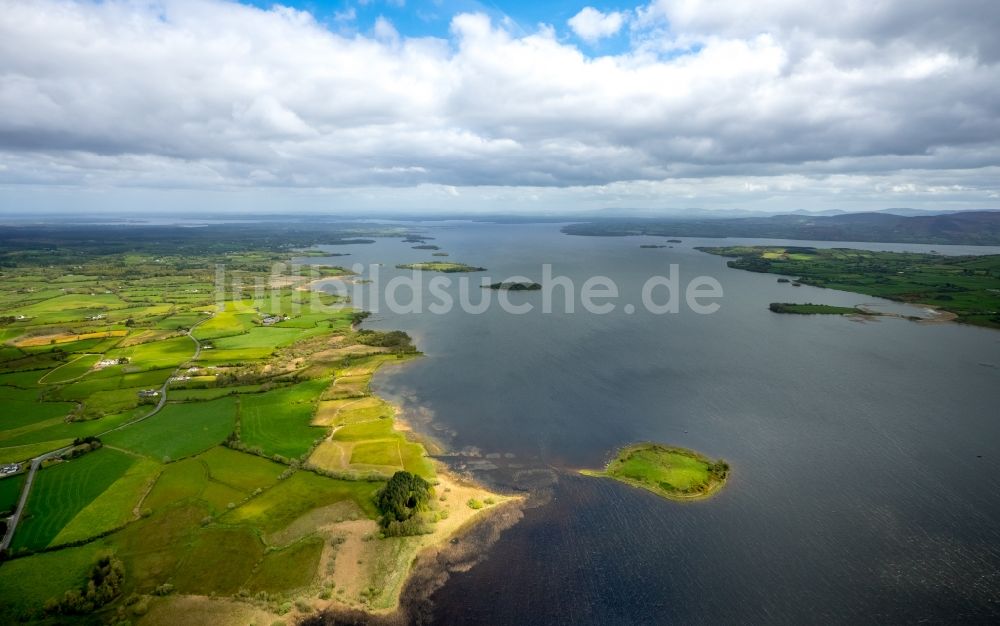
36 462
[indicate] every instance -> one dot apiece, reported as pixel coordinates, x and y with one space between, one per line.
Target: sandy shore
359 574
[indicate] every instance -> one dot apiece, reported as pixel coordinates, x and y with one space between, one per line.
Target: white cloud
777 105
592 25
384 30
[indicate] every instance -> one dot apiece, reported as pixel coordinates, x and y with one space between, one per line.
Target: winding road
36 462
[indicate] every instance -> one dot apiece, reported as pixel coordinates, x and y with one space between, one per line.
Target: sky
360 106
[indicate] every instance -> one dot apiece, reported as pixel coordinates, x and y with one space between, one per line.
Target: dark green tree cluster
103 586
400 502
718 470
396 339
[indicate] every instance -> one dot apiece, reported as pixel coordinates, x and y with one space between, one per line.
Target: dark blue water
865 456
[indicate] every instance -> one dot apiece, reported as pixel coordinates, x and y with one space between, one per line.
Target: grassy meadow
670 472
268 448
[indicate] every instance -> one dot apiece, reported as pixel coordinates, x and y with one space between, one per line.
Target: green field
280 505
50 434
261 337
210 393
73 369
382 452
179 430
113 508
968 286
63 491
22 407
181 321
671 472
220 561
162 494
156 354
10 492
12 453
26 584
278 422
289 568
236 319
242 471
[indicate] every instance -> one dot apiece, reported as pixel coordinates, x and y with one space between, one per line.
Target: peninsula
966 286
192 446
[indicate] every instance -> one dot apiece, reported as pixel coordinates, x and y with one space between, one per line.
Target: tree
402 498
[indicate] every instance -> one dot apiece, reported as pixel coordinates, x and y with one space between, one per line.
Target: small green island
440 266
651 245
515 286
816 309
668 471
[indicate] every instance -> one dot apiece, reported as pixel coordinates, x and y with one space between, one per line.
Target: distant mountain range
960 228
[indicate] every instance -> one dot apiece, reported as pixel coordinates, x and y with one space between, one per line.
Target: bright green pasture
183 320
84 388
210 393
113 508
156 354
279 421
111 401
52 434
243 471
233 321
179 430
379 452
377 429
74 368
12 453
233 357
60 492
282 504
69 307
217 478
657 466
260 337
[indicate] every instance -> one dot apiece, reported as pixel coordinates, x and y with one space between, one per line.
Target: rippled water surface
865 454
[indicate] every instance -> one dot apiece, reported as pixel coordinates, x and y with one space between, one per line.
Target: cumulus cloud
217 95
591 25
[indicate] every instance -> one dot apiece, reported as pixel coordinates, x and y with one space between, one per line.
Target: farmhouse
11 468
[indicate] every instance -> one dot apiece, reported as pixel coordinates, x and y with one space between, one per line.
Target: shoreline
453 491
402 571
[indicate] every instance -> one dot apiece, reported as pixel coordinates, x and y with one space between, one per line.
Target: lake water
865 455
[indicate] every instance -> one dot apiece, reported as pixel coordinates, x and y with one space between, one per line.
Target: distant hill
979 228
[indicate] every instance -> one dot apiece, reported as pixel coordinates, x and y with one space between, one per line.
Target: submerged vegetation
671 472
968 286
